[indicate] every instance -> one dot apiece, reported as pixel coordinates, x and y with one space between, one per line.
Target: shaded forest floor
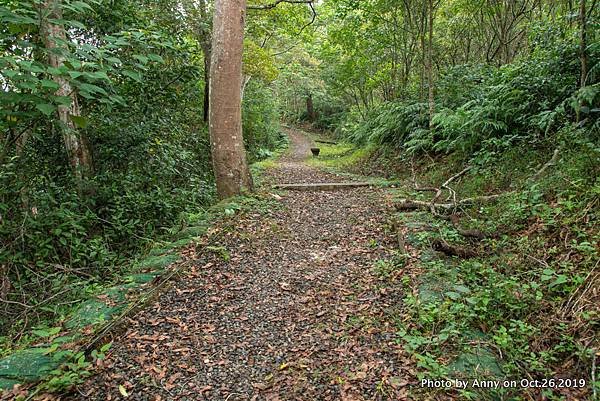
287 304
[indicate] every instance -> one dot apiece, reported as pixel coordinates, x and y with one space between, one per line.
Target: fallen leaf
123 391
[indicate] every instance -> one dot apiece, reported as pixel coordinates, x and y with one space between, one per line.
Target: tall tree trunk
430 83
199 17
75 144
21 143
232 174
583 42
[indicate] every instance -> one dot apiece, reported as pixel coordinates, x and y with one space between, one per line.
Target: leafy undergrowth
60 352
523 306
258 168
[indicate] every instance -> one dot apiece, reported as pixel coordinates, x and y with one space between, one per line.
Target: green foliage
392 124
460 84
512 302
258 63
74 368
485 108
137 73
151 162
521 101
92 69
262 133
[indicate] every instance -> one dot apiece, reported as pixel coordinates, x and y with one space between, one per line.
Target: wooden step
322 186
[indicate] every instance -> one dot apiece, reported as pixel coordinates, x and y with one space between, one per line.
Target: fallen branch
433 206
449 180
406 205
549 163
483 198
409 205
327 142
438 193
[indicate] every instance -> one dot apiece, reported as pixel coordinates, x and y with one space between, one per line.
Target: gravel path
291 168
291 308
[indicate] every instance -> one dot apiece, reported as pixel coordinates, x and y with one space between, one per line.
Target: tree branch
273 5
312 20
277 2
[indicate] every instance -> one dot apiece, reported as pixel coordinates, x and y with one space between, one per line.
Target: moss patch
157 262
26 366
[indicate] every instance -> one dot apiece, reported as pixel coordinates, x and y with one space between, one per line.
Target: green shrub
262 133
391 124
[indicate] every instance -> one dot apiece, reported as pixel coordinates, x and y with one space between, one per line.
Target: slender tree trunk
310 110
199 18
229 156
75 143
22 142
19 149
430 82
423 67
245 81
205 43
422 37
583 42
206 104
5 284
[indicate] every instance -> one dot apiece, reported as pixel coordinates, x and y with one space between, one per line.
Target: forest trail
291 308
